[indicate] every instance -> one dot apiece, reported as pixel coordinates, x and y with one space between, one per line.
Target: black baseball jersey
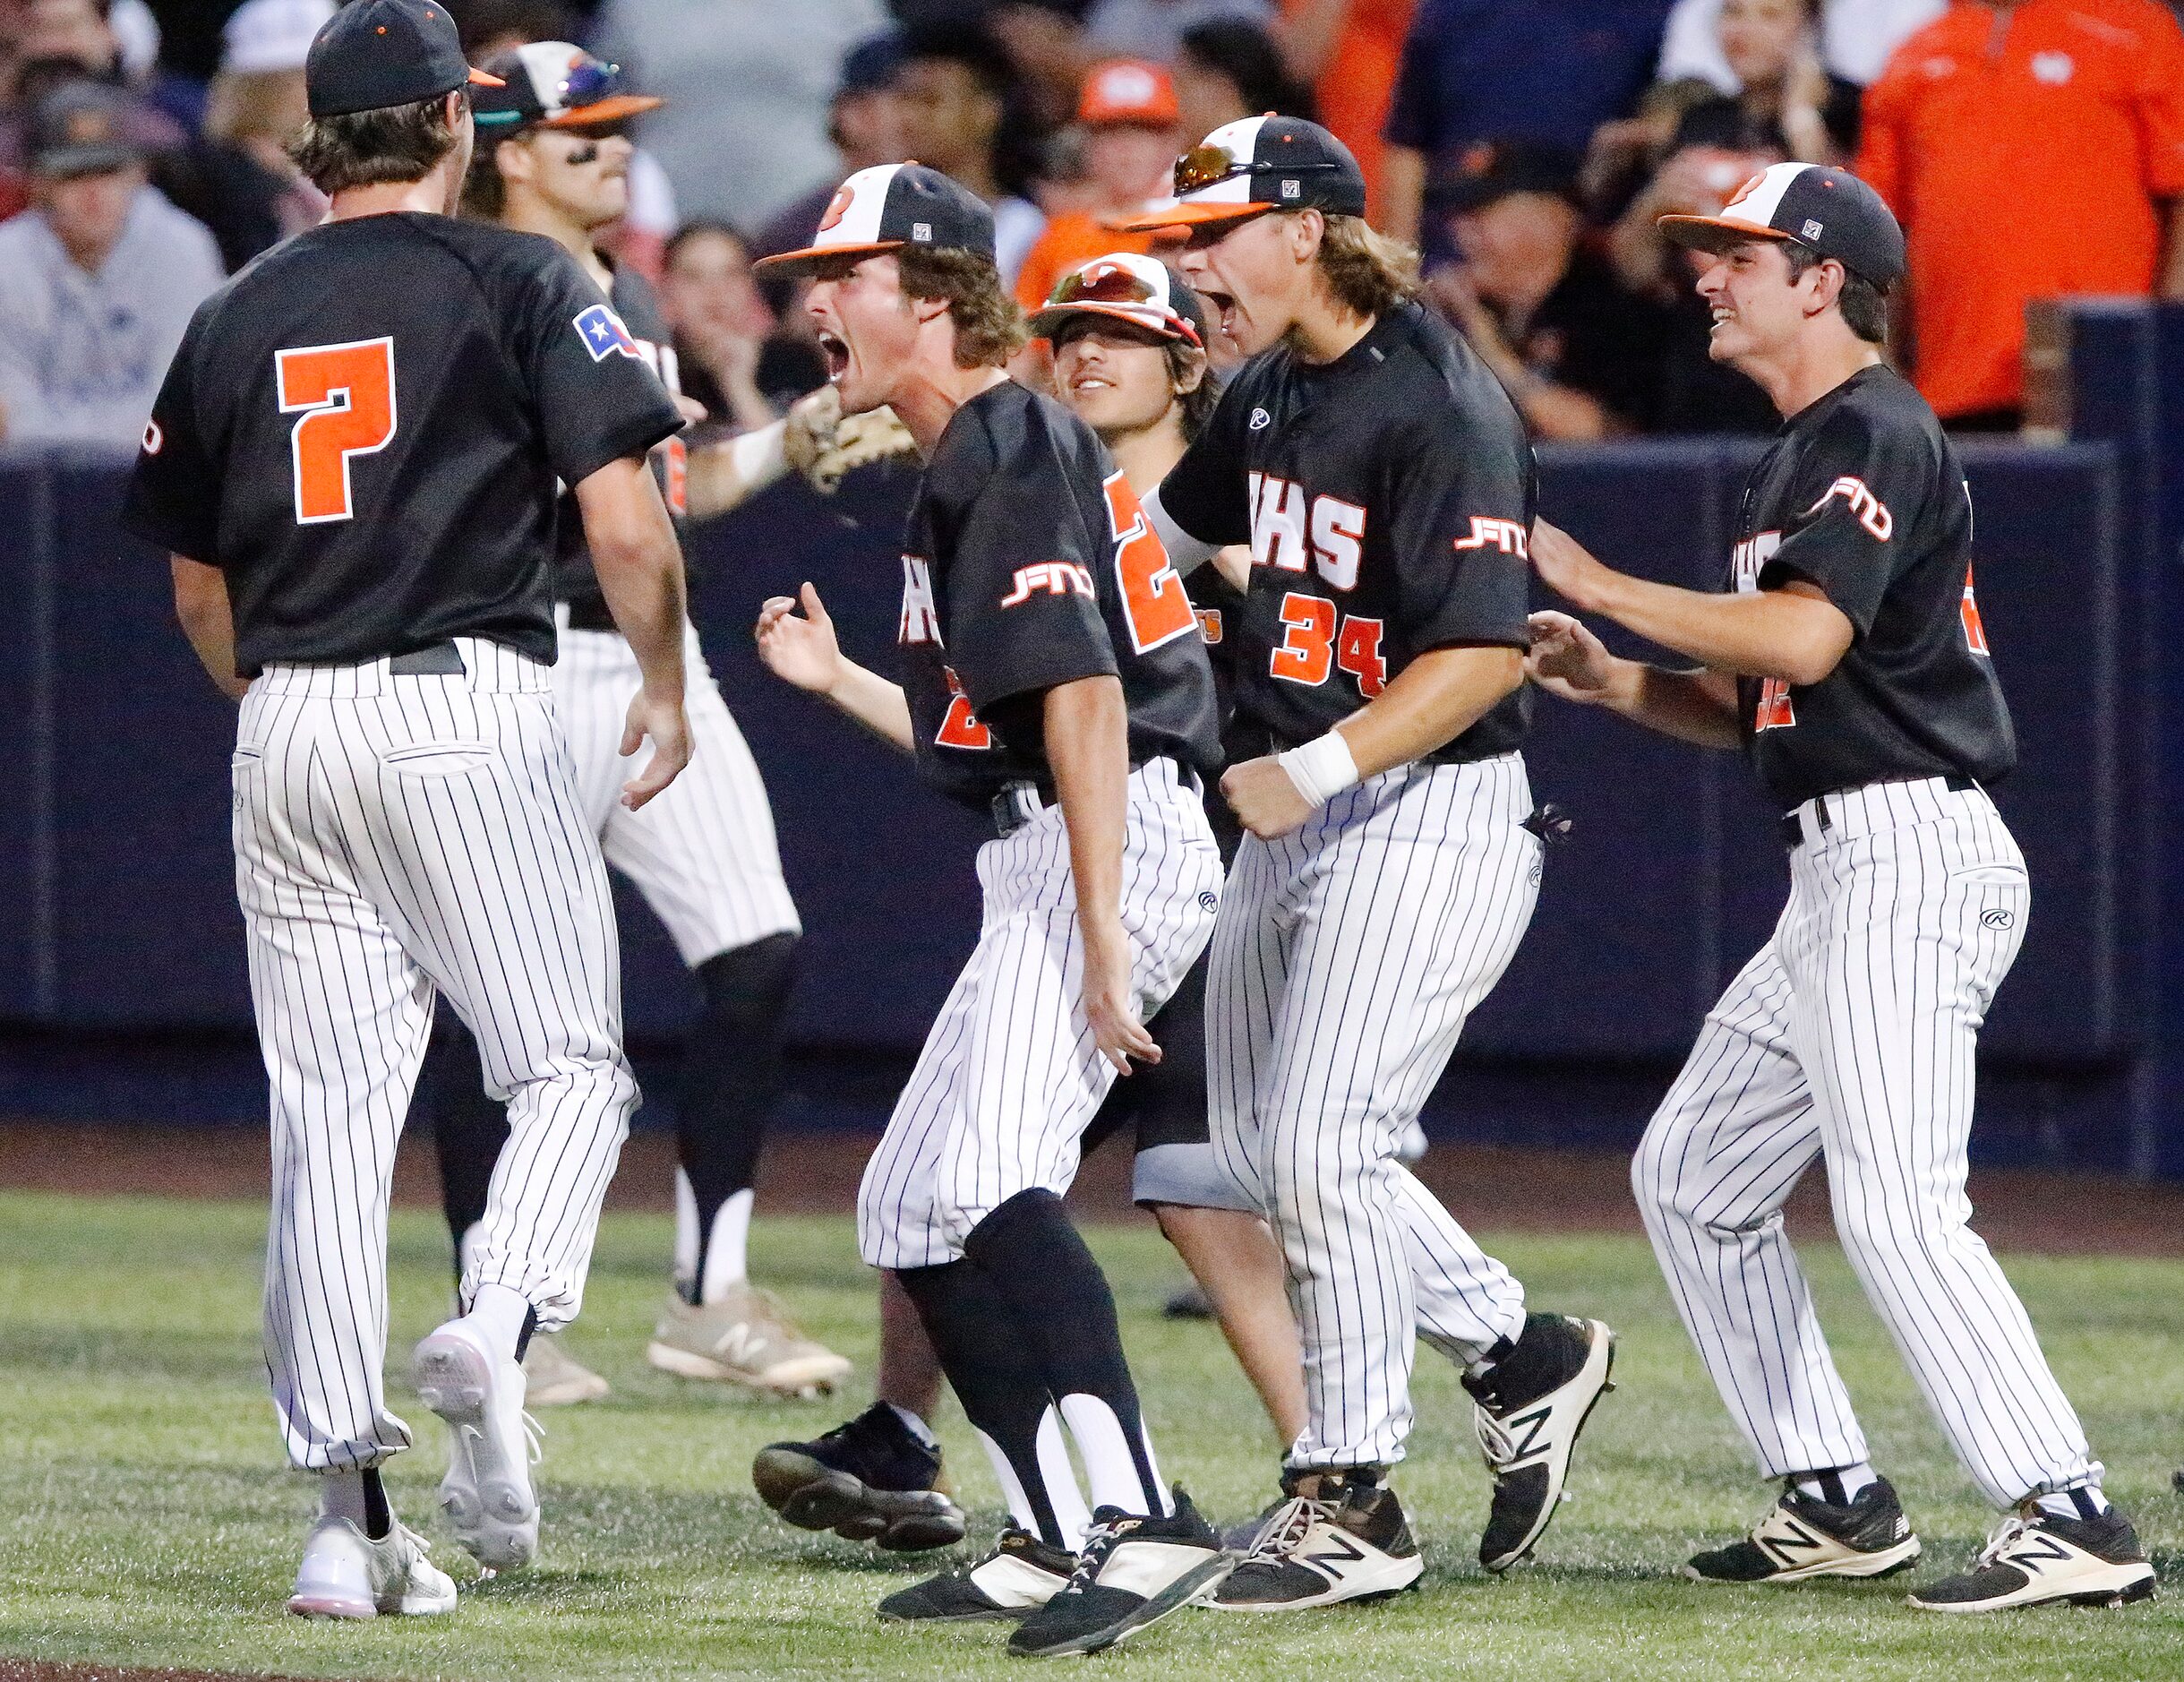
1387 497
364 430
1027 563
1863 495
574 581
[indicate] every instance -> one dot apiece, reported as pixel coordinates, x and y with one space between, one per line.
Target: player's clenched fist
1265 797
1566 660
800 648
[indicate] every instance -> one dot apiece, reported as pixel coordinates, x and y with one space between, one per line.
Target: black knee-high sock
1039 1262
732 1076
993 1371
468 1127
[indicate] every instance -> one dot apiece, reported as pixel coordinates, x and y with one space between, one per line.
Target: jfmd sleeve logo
604 335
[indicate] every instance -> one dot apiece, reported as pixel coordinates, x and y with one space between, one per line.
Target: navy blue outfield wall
121 954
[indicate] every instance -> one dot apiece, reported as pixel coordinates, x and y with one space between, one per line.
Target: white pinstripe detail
396 834
1851 1035
1346 960
703 854
1010 1075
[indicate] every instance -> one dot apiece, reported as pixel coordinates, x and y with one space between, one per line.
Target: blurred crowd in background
2033 149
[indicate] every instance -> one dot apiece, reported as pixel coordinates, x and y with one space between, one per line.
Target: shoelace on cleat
1099 1543
2006 1530
1284 1532
1496 1447
534 1438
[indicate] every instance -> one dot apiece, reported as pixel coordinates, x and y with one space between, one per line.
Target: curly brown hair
1369 273
988 326
363 148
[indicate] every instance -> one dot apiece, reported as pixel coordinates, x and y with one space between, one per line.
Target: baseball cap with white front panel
890 206
1127 287
1254 165
1831 211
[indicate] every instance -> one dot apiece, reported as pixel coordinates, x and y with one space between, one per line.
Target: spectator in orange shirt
2031 150
1349 50
1127 109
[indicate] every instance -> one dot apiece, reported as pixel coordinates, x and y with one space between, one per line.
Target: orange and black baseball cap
1831 211
1126 288
555 84
374 54
1254 165
890 206
1123 92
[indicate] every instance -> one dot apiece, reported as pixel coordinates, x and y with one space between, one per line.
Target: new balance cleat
1804 1537
870 1479
1339 1536
1019 1576
748 1338
1132 1572
2035 1558
1531 1403
552 1377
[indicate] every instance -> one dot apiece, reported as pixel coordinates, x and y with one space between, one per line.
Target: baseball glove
822 443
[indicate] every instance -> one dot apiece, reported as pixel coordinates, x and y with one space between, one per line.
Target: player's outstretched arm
1567 660
639 564
801 649
201 604
1794 632
1088 744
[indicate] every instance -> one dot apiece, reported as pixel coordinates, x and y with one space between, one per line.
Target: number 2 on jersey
345 393
1153 600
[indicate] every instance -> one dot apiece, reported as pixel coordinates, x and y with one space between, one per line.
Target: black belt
591 616
438 659
1018 802
1793 832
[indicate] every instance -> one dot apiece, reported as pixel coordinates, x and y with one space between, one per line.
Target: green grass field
145 1518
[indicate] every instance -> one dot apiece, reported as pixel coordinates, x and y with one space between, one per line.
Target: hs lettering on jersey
1747 562
1055 578
1289 531
921 621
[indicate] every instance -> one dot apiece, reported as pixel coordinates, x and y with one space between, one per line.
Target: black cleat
1133 1572
869 1480
1019 1576
1339 1536
1532 1403
1804 1537
2035 1557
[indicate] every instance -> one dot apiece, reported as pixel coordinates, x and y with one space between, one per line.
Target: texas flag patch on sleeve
603 334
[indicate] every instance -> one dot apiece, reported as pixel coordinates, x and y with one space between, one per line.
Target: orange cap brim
614 108
1713 233
810 254
1042 321
1186 216
479 79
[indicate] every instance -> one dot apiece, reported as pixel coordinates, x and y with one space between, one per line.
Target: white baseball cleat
493 1444
346 1574
2034 1557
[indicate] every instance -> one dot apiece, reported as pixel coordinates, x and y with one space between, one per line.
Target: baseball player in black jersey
1846 658
1383 481
554 162
1054 681
353 461
1130 362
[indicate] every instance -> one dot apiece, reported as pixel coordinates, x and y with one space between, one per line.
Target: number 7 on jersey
345 393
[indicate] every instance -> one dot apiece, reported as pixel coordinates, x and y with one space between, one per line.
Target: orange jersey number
345 393
1314 650
1154 599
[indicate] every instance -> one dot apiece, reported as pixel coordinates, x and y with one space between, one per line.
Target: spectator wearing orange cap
2031 150
1132 134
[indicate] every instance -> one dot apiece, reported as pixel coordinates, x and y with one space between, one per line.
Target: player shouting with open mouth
1846 658
1384 483
1054 679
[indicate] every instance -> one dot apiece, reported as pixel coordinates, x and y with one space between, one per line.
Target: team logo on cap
838 206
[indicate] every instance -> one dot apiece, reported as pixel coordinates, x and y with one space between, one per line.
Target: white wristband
758 457
1322 768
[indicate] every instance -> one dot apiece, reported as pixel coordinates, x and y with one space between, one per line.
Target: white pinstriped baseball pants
1346 960
1010 1075
394 836
703 851
1851 1035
